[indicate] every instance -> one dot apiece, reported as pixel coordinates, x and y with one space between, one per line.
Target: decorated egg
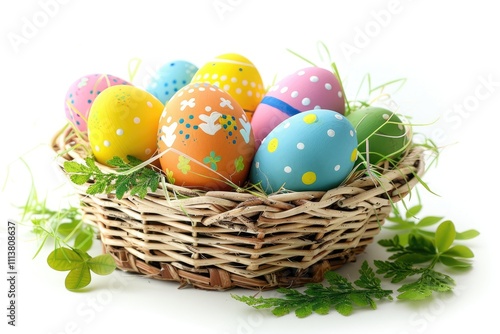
306 89
310 151
82 93
123 121
205 140
236 75
170 78
381 134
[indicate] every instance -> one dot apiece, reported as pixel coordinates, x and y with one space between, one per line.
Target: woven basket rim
411 158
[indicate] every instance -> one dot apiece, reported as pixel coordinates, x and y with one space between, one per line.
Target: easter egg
81 95
311 151
205 140
123 121
381 134
170 78
306 89
236 75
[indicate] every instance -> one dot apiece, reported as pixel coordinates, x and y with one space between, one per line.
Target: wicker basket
221 240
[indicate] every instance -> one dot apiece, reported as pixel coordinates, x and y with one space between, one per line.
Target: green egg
381 135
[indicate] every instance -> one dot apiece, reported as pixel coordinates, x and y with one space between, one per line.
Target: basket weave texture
220 240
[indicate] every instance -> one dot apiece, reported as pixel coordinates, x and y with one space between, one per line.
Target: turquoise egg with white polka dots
311 151
170 78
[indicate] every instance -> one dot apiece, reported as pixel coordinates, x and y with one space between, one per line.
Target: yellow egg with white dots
236 75
123 121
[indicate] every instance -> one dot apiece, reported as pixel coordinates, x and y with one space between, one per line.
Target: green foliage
416 251
64 227
409 225
79 264
341 295
129 177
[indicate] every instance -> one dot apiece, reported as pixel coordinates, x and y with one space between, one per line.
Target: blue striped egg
306 89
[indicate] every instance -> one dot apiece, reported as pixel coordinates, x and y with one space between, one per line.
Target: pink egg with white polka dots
82 93
306 89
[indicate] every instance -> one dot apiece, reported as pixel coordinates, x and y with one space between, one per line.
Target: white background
448 53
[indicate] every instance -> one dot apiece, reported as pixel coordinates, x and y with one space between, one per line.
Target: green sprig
63 226
129 177
408 224
341 295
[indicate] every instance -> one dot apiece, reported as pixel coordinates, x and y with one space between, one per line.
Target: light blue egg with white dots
170 78
311 151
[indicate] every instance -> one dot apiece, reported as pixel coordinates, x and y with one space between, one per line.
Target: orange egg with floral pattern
205 140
